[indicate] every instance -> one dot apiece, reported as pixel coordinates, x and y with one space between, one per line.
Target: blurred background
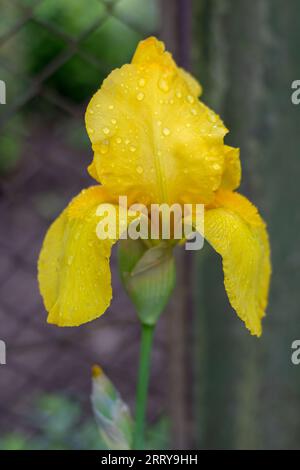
212 384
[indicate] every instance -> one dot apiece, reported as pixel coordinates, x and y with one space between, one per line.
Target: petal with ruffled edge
73 269
237 232
153 140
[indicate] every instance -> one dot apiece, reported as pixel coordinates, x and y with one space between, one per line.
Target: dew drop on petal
166 131
70 260
111 106
190 98
139 170
106 130
179 94
118 140
103 148
163 85
141 82
216 166
140 96
90 130
132 148
114 121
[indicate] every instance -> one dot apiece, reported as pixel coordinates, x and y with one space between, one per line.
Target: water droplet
190 98
140 96
90 130
216 166
98 105
111 106
118 140
106 130
159 123
139 170
163 85
212 117
132 148
141 82
178 94
103 148
127 141
114 121
91 111
166 131
194 111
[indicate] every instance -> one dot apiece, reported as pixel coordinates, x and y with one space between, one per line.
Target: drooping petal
153 140
73 269
237 232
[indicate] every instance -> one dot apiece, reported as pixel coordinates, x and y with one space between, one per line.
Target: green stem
142 386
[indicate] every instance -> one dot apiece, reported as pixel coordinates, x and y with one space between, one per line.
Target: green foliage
110 44
62 425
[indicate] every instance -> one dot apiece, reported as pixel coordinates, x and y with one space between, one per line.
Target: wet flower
154 141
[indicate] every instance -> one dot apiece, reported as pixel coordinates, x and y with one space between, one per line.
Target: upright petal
237 232
153 140
73 268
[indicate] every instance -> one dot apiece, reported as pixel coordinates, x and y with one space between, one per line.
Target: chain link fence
53 56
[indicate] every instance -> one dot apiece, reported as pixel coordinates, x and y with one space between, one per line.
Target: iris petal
153 140
73 269
237 232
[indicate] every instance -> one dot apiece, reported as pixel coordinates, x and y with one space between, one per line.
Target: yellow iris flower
155 142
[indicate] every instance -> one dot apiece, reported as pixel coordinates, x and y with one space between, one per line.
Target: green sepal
148 275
